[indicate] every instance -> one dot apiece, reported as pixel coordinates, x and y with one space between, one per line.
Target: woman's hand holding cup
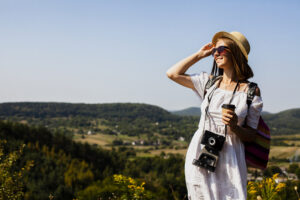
229 117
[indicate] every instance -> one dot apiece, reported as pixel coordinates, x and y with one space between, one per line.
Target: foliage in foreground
117 187
69 170
266 189
11 181
129 188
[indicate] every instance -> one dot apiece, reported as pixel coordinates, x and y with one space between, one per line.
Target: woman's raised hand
177 71
206 50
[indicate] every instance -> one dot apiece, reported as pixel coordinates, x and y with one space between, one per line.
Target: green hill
110 110
195 111
129 118
282 123
285 122
192 111
125 118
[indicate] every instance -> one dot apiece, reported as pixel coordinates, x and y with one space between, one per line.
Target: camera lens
210 162
211 141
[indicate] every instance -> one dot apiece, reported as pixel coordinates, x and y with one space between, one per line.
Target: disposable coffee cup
226 107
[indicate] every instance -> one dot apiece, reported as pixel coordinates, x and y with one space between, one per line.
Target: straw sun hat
237 37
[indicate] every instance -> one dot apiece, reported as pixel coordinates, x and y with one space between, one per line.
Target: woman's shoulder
245 86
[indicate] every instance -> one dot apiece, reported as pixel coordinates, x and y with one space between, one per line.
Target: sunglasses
220 49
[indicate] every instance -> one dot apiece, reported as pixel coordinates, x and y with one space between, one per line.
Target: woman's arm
246 134
177 71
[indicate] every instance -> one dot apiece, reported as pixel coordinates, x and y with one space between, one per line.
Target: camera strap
209 97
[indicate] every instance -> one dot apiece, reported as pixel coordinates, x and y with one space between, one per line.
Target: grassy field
99 139
284 152
105 141
174 151
294 136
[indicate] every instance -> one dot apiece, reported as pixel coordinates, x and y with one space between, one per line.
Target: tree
11 182
293 167
78 174
270 171
297 172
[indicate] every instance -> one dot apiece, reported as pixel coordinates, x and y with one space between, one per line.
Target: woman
229 180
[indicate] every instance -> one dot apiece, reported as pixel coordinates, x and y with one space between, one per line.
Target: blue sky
119 51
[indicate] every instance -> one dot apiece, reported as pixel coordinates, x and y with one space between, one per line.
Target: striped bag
257 151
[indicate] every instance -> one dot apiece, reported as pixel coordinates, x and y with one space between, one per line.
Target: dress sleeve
254 112
199 81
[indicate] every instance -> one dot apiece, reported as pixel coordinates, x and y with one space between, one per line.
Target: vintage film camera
209 155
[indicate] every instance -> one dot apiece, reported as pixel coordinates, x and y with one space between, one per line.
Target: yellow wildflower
279 187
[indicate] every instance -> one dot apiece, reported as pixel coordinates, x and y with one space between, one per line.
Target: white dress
229 181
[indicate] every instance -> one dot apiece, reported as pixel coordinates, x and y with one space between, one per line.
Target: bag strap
251 93
211 81
250 96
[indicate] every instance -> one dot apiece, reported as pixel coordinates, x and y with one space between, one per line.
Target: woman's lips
218 59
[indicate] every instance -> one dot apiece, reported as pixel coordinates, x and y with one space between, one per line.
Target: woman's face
223 59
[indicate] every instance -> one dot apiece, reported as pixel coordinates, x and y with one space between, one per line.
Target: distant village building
181 138
292 176
282 177
259 178
250 177
138 142
90 132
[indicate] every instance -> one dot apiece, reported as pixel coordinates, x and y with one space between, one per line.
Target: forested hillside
283 123
195 111
108 111
68 170
128 118
192 111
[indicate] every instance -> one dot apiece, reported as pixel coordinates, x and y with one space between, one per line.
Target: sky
119 51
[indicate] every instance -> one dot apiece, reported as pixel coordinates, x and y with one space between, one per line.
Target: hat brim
230 36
